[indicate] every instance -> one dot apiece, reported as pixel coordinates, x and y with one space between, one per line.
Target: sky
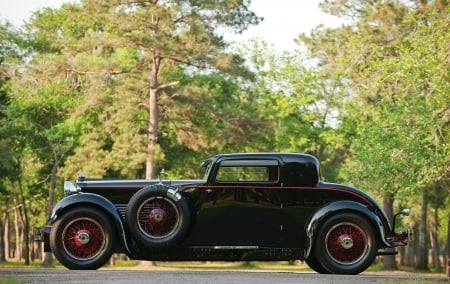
283 20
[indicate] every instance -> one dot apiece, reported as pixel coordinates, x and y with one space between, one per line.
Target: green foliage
393 68
301 104
370 100
393 65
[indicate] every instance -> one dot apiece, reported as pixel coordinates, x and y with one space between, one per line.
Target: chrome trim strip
235 247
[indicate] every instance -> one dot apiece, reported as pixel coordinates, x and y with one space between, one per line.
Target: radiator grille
122 208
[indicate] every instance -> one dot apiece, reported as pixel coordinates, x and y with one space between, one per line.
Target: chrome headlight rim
70 188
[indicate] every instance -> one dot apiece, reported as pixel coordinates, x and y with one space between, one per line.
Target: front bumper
43 235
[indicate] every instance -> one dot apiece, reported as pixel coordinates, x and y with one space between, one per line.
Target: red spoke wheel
158 216
82 238
345 244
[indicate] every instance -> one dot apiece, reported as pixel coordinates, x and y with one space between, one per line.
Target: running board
235 247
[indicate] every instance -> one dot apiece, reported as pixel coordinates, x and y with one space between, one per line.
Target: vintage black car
248 207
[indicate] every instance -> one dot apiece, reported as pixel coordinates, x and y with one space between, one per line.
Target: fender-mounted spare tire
158 216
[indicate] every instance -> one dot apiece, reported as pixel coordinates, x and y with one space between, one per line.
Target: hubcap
346 241
82 238
156 216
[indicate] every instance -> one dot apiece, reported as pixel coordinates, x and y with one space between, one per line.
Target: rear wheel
345 244
315 265
82 238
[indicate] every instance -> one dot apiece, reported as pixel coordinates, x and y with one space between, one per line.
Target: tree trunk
422 252
153 119
6 233
434 243
434 225
3 224
447 258
48 256
17 238
26 227
388 205
410 249
152 135
152 125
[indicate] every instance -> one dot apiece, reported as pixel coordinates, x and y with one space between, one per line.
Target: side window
247 172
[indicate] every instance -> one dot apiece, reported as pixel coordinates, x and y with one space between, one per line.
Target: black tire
345 244
158 216
82 238
315 265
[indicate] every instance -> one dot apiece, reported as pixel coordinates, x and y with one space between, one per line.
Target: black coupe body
253 206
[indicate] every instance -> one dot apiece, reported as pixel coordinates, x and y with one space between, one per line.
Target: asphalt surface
64 276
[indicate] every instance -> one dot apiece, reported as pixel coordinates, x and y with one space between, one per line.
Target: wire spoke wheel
346 243
83 238
158 217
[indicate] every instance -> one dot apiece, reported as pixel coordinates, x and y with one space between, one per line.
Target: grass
11 281
15 264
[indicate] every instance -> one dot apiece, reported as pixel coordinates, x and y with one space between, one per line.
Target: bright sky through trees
283 19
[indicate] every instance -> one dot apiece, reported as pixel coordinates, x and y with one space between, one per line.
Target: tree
179 33
11 51
395 116
300 102
134 55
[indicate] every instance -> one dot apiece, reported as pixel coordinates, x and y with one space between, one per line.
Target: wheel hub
156 216
346 241
82 237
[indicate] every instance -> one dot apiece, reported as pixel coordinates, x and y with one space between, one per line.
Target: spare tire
158 216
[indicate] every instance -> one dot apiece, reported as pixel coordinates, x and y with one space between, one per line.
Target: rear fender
333 208
95 201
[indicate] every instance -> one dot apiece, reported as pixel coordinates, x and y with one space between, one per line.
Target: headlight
69 188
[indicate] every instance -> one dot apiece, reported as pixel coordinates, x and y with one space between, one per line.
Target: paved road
64 276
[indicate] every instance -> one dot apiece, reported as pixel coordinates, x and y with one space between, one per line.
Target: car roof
284 157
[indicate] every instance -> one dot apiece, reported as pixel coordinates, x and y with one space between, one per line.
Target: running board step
235 247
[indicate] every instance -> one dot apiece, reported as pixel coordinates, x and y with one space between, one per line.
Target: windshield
205 168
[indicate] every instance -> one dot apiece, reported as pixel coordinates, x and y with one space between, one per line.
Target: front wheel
82 238
345 244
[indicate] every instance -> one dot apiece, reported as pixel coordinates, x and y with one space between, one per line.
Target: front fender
332 208
97 201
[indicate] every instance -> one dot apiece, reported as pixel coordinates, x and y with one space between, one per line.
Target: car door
242 205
